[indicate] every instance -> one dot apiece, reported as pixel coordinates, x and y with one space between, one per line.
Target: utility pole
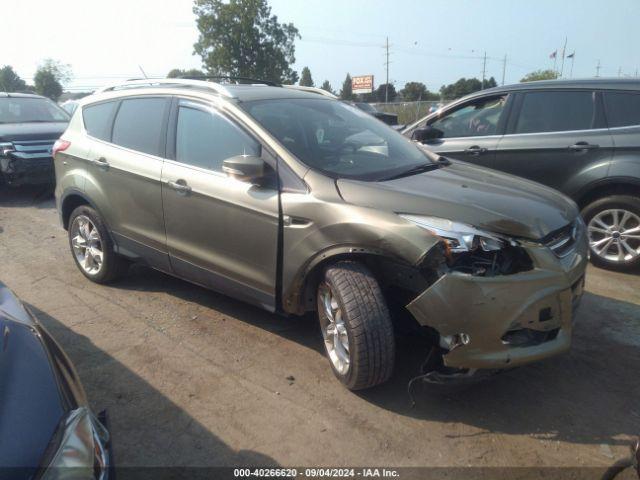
564 50
598 69
504 67
484 68
619 71
386 87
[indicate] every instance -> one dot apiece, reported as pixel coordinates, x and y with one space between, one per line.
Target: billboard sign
362 84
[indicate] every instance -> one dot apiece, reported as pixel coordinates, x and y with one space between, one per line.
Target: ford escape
297 202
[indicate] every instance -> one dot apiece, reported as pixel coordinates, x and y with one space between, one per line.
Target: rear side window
622 108
205 139
138 124
556 112
97 119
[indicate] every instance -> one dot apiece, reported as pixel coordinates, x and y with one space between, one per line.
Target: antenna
143 74
484 69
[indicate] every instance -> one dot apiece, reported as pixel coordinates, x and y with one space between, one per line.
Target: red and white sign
362 84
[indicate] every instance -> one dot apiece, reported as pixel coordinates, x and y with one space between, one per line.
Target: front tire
613 227
356 326
92 248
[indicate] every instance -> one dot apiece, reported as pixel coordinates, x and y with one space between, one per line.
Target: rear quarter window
97 119
622 108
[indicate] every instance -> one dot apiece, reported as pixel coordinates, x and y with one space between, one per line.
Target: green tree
61 71
46 84
413 91
241 38
489 83
191 73
462 87
10 81
50 77
305 78
326 86
347 89
540 75
381 93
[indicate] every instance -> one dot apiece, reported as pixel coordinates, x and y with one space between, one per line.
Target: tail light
59 146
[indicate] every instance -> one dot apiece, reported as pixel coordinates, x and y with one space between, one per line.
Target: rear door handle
578 146
101 163
475 150
179 186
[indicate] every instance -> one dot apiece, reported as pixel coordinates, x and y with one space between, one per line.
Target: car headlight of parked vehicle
474 251
79 448
5 148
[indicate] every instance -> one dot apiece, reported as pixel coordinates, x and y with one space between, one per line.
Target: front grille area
31 149
562 241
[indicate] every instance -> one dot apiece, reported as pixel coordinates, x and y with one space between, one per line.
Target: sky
431 41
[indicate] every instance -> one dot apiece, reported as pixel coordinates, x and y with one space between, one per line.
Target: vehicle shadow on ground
40 196
302 330
586 396
147 428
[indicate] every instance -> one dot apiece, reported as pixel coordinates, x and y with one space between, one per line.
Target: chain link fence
409 112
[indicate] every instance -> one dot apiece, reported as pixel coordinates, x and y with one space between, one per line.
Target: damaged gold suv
297 202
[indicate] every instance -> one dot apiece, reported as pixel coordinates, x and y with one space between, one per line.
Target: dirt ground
194 378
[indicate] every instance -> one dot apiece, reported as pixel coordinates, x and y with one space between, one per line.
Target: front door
221 232
555 138
470 131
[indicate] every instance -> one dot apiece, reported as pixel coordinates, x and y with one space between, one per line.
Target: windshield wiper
423 167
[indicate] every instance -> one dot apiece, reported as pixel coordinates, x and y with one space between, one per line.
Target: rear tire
613 227
92 248
361 326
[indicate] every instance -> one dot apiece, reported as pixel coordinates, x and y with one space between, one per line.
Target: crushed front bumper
506 320
28 163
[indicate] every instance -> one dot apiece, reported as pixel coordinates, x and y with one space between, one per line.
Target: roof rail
317 90
159 82
249 80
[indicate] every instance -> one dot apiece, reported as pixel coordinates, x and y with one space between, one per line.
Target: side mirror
247 168
426 133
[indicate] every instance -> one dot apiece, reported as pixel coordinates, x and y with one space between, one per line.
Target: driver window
476 119
205 139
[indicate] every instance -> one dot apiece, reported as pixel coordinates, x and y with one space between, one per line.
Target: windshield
30 110
366 107
337 139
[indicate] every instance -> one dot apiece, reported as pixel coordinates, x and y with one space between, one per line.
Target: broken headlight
80 449
474 251
459 237
5 149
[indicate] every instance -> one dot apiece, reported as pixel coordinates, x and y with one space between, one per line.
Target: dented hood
484 198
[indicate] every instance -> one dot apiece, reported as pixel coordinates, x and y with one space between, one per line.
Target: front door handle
476 150
180 186
579 146
101 163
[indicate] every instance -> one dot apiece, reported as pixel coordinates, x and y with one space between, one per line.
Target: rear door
623 117
221 232
125 163
555 138
471 130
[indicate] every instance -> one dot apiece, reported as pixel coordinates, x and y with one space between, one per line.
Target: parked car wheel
92 248
613 225
356 326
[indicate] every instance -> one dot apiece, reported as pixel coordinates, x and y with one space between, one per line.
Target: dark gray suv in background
581 137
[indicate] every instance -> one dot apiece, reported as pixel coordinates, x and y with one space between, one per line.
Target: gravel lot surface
191 377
